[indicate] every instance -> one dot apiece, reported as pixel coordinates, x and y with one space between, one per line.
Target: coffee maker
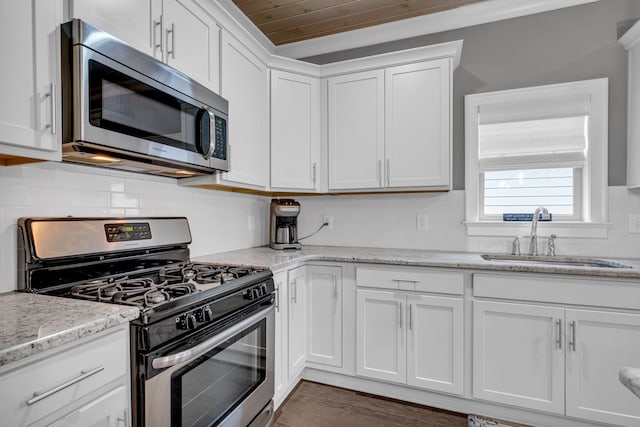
283 229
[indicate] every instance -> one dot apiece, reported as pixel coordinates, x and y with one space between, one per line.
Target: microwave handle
204 142
215 341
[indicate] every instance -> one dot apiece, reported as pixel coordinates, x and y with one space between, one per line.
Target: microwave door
129 111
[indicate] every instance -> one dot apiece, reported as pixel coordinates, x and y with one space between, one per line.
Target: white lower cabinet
556 360
82 383
281 342
410 339
324 315
517 356
381 340
296 313
105 411
599 343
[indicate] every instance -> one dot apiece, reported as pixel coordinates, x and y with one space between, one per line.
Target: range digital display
127 232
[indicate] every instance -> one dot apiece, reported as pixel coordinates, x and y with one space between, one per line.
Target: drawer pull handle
38 396
559 340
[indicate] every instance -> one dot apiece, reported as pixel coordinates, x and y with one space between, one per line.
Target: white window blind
522 191
533 133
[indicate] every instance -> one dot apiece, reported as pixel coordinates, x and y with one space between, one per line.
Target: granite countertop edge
630 378
264 257
88 323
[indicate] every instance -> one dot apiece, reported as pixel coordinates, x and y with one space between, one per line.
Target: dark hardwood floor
317 405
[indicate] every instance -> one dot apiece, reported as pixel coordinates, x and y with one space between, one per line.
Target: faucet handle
551 245
515 246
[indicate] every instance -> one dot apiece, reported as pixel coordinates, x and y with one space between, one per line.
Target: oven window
122 104
212 386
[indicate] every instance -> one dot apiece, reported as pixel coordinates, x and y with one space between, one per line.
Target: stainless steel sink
555 260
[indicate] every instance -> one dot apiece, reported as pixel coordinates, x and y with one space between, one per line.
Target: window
539 146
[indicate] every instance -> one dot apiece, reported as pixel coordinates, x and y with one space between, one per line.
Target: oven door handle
200 349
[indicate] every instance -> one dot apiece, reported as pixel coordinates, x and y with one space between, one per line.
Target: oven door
225 380
118 107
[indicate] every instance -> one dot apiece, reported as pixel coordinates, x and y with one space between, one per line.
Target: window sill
560 229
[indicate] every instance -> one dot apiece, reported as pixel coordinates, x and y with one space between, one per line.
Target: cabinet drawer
410 279
88 366
562 290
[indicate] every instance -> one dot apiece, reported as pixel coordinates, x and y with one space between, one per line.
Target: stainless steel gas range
202 350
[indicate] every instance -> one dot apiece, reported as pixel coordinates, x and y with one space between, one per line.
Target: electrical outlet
422 222
634 223
326 218
251 222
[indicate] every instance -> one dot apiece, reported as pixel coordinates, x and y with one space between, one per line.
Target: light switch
251 222
634 223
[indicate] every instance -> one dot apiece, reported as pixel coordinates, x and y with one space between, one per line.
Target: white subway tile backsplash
124 200
218 220
389 221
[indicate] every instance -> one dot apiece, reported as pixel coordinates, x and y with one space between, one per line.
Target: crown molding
631 37
465 16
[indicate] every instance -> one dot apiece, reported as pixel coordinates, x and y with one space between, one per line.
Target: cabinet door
381 346
130 21
324 315
109 410
518 355
598 345
297 325
29 106
245 86
435 351
356 130
417 124
281 347
191 42
295 131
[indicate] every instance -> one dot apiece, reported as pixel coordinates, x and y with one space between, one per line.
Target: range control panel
127 232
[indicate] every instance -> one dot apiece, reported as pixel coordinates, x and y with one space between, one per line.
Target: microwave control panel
220 137
127 232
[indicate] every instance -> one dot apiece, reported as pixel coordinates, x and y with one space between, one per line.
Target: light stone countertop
35 323
630 377
265 257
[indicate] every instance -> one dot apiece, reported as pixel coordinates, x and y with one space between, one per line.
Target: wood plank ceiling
287 21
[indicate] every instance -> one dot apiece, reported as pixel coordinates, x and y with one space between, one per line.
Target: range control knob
255 293
207 314
190 322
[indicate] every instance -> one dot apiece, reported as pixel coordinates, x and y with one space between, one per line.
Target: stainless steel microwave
126 110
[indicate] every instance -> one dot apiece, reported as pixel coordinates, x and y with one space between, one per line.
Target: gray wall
575 43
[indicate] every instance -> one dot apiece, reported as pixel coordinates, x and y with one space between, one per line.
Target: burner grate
170 282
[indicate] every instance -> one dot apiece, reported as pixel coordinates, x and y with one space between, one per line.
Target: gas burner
203 273
142 292
99 290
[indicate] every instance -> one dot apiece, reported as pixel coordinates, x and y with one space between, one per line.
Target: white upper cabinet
177 32
417 125
245 85
295 131
356 130
630 42
29 106
191 41
391 128
129 21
